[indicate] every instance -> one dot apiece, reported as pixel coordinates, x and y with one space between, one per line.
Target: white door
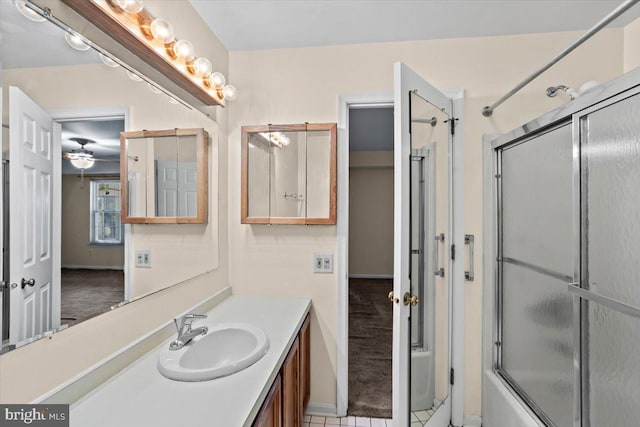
187 189
166 188
35 292
421 367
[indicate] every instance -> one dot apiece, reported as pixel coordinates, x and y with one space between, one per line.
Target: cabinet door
305 363
291 404
270 414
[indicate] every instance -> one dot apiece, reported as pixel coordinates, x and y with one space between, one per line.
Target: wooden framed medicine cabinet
164 176
289 174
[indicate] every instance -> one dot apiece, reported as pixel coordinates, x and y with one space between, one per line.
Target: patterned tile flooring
418 419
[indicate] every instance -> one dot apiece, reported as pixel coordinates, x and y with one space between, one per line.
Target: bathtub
422 379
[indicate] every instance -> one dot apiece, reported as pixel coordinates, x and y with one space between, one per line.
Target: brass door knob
408 299
390 296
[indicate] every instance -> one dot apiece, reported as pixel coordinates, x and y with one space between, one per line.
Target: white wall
632 45
277 259
371 213
179 252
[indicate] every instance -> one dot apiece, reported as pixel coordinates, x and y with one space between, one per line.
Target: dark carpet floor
88 293
370 340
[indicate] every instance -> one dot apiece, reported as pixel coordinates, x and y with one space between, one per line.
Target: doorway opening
370 268
92 234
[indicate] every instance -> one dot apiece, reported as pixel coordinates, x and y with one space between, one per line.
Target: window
106 225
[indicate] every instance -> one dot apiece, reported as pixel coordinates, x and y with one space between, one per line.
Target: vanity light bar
158 36
105 56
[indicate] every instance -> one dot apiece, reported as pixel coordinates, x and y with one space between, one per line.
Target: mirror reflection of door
422 257
429 354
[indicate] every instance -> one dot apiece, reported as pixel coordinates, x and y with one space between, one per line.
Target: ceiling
105 133
25 43
269 24
371 129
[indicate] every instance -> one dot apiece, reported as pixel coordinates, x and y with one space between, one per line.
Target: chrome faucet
185 333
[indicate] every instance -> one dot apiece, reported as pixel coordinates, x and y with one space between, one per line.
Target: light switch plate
143 258
323 263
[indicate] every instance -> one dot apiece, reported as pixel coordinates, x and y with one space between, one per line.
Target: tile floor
418 419
314 421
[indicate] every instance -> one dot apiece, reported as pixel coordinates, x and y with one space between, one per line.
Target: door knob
408 299
30 282
390 296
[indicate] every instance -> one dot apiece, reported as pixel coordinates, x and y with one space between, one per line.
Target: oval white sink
226 349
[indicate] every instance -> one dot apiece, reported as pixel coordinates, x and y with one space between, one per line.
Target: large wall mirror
289 174
67 254
166 176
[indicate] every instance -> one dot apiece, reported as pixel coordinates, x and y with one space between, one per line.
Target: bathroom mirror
87 100
429 267
289 174
166 174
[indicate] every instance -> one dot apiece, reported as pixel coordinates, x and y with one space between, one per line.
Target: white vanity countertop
140 396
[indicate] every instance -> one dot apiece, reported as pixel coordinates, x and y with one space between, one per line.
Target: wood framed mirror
164 176
289 174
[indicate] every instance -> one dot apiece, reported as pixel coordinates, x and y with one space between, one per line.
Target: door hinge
452 376
452 124
453 252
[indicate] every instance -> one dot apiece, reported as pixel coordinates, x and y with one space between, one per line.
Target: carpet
370 341
88 293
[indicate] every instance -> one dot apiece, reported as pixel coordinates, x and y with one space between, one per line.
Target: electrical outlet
143 258
323 263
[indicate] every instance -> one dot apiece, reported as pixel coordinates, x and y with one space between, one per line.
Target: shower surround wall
277 260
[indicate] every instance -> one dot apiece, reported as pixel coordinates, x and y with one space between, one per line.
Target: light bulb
153 88
130 6
229 92
183 50
108 61
217 80
162 31
28 13
134 76
202 67
83 161
76 42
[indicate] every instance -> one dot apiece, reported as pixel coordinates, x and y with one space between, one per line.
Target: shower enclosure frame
574 113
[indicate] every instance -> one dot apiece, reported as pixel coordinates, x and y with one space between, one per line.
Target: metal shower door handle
31 282
439 270
469 239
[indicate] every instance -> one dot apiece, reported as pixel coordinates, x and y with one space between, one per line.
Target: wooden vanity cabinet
291 403
270 414
288 398
305 363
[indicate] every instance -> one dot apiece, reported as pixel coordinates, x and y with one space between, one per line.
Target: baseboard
472 421
93 267
322 409
371 276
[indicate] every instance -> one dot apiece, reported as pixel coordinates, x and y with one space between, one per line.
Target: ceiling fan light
83 161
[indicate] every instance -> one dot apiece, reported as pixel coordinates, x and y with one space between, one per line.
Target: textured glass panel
611 168
537 345
537 201
614 368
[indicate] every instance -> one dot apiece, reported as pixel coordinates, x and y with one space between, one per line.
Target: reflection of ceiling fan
83 158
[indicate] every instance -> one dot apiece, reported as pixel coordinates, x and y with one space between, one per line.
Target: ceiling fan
83 158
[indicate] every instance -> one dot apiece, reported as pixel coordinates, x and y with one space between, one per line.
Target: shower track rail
622 8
